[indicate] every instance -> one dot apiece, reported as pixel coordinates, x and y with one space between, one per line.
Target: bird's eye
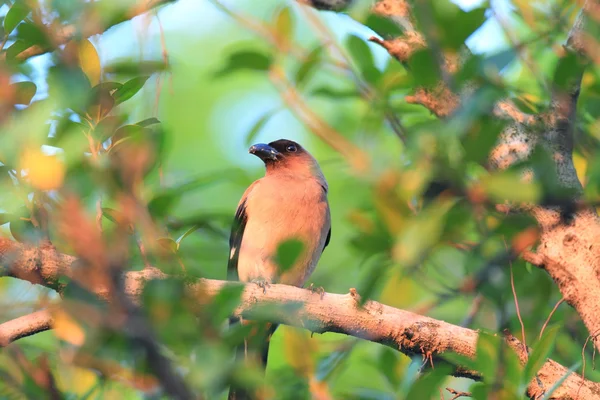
291 148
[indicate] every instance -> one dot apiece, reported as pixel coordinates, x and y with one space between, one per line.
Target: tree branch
68 32
401 330
24 326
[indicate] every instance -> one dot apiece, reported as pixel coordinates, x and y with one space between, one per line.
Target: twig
558 303
514 292
458 394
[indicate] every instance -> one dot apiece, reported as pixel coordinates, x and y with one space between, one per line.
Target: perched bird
288 203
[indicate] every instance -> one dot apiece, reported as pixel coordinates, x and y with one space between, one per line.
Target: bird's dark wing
327 240
235 239
237 233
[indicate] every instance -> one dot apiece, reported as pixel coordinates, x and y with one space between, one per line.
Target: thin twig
550 315
458 394
512 285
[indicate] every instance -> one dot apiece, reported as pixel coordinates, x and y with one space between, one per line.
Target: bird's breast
277 213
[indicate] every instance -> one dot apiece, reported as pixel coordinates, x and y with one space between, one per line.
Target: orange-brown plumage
289 202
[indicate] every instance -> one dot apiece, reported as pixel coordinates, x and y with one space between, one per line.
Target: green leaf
258 125
288 252
64 128
148 122
101 103
332 362
246 60
168 244
111 87
22 230
508 186
117 217
424 68
125 67
224 303
384 27
411 374
187 233
159 206
457 30
559 382
5 177
71 86
480 138
567 71
24 92
284 23
487 355
129 89
15 49
334 93
452 25
422 233
32 34
15 15
427 385
107 127
308 66
5 218
541 351
129 132
388 365
362 56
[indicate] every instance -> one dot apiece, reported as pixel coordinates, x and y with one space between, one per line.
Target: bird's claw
262 283
320 290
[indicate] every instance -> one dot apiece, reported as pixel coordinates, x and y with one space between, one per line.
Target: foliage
90 164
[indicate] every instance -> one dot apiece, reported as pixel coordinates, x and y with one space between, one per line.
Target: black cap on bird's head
279 150
290 159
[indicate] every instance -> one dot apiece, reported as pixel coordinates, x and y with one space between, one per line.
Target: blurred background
196 86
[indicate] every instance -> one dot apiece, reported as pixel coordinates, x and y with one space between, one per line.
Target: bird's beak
264 152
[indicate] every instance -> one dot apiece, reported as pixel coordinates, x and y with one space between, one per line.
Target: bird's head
287 156
278 152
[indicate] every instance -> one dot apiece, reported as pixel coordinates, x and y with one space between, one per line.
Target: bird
289 203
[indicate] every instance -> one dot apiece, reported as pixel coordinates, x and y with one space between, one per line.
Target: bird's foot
320 290
262 283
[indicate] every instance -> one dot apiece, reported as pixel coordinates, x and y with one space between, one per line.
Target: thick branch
402 330
24 326
68 32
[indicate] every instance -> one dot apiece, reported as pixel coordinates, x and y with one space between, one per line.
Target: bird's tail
256 344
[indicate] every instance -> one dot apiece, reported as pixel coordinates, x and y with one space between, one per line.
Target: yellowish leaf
319 389
75 379
44 172
580 166
89 61
299 349
67 329
399 291
492 222
526 11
